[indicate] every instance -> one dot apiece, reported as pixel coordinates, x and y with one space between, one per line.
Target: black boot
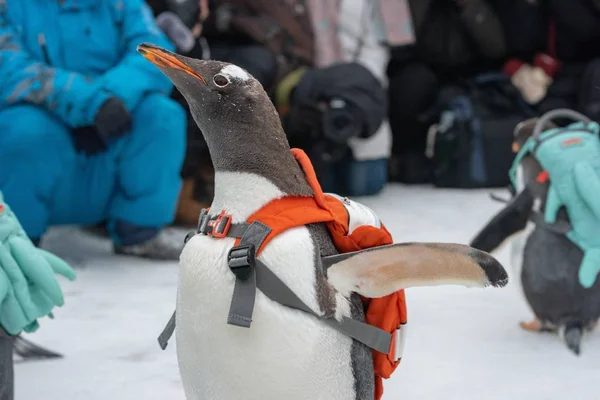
146 242
163 246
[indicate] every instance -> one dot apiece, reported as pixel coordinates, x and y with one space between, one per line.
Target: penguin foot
537 326
533 326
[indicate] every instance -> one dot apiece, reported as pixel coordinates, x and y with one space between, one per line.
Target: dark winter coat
450 37
527 28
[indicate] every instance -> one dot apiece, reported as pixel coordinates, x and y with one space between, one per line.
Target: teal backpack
571 157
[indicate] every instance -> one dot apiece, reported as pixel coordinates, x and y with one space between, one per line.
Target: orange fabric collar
311 177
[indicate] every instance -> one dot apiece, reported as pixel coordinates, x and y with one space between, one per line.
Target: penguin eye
221 80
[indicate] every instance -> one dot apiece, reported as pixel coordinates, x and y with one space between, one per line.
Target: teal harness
571 157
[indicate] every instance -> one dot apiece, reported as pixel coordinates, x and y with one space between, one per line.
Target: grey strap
238 309
558 113
369 335
238 230
276 290
242 302
165 335
244 291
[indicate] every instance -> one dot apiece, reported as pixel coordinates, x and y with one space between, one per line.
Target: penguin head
237 118
524 130
216 91
531 169
522 133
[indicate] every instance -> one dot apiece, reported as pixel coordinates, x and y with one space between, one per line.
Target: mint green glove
28 286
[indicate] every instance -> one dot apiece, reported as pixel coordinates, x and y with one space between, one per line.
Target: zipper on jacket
42 42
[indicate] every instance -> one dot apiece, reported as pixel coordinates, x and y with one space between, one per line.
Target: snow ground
462 343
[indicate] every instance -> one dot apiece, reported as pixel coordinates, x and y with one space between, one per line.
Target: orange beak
165 59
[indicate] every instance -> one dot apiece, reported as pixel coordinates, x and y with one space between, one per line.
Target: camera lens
340 121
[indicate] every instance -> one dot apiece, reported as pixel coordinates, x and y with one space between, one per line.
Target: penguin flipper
536 325
28 350
380 271
510 220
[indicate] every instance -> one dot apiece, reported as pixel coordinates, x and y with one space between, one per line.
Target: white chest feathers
285 354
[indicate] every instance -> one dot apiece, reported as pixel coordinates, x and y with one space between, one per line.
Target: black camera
340 121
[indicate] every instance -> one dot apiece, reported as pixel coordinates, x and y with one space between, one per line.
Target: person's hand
112 120
204 10
87 140
202 16
28 286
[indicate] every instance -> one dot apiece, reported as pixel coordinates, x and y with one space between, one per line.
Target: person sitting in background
338 110
454 39
87 130
28 289
554 52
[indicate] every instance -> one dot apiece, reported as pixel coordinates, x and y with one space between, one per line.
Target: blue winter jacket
69 56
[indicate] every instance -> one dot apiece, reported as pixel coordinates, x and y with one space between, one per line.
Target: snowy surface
462 343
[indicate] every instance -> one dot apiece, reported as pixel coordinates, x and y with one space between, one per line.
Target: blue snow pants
137 180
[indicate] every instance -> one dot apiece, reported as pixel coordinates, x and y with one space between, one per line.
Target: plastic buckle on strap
241 260
219 226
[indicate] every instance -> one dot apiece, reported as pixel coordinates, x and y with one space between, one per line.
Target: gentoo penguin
285 354
546 261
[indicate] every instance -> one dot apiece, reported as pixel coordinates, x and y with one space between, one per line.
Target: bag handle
558 113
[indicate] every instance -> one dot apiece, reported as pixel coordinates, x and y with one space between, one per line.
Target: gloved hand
112 121
28 287
87 140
